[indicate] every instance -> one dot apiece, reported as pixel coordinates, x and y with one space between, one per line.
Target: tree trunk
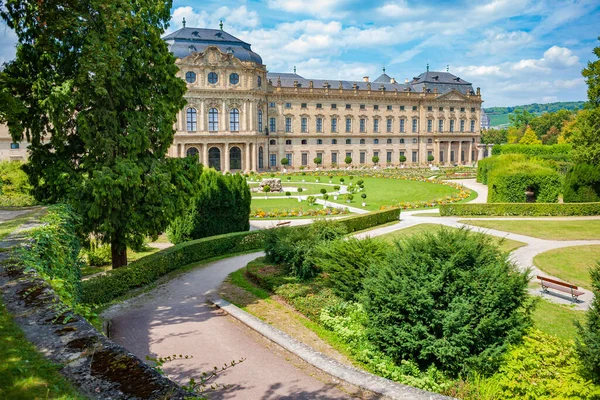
118 252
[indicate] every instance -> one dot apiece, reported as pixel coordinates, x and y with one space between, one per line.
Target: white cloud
401 10
8 41
333 69
499 41
317 8
234 18
560 57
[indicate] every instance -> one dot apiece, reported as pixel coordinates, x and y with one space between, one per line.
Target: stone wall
98 367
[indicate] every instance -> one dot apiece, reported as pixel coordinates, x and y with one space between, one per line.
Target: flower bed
300 212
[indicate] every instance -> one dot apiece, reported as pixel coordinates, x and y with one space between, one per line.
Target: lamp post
268 152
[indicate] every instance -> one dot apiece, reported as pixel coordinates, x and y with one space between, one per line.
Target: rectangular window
441 109
451 109
429 108
333 124
388 157
334 106
462 109
451 125
462 155
452 156
333 157
429 125
362 125
305 159
289 158
389 108
234 121
288 105
414 108
401 108
375 125
302 105
288 124
375 107
472 109
362 106
362 157
414 125
14 146
401 154
213 120
441 156
414 156
320 155
389 125
348 106
440 125
273 160
272 105
348 124
319 125
429 153
304 125
260 121
402 125
272 125
472 125
348 154
319 105
462 125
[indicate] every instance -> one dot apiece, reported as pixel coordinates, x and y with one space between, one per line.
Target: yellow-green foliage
542 367
14 185
507 183
485 166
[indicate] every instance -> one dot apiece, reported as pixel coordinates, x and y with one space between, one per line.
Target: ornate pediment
212 56
453 95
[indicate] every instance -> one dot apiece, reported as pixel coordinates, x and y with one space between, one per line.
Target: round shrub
450 299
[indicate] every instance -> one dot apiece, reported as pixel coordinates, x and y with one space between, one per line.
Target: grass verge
570 264
557 319
549 230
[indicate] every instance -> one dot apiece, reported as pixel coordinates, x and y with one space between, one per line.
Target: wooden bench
286 223
560 286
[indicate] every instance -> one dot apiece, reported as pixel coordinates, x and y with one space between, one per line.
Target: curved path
175 318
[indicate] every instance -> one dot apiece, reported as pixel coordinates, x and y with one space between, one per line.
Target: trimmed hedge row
560 151
485 166
520 209
103 289
508 183
582 184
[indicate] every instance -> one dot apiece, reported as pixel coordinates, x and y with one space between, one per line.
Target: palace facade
240 117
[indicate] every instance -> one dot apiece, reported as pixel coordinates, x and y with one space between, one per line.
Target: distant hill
499 115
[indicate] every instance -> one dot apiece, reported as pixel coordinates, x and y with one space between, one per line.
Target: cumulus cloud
560 57
499 41
239 17
401 9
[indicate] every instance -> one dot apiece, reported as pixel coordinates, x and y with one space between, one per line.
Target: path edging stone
332 367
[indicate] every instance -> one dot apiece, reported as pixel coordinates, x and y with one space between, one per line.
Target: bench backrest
557 282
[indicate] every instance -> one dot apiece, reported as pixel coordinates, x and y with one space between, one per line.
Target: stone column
470 158
243 117
448 159
254 156
252 111
226 155
460 152
248 159
436 151
480 150
202 118
224 124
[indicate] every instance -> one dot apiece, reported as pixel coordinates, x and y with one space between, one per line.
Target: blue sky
517 51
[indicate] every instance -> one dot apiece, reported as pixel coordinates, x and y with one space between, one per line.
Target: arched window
272 142
375 141
234 120
213 120
304 141
333 141
260 121
261 158
348 141
234 79
362 141
191 119
192 152
259 81
288 142
190 77
430 141
389 141
415 140
401 141
319 141
213 78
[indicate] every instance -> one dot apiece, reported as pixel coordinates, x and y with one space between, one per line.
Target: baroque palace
240 117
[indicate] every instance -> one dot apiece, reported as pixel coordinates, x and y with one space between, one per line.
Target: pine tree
588 342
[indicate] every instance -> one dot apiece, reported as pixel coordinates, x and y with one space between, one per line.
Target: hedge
103 289
582 184
560 151
485 166
509 182
520 209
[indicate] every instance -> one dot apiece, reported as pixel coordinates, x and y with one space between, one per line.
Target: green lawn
557 319
570 264
550 230
504 244
282 204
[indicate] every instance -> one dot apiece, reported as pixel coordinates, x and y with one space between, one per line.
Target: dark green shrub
588 342
294 247
222 205
520 209
509 182
345 263
97 254
15 190
115 283
582 184
450 299
365 221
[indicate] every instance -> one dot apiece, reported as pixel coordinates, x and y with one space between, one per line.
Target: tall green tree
520 118
96 94
588 341
592 75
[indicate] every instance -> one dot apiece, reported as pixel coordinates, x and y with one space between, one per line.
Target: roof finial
183 22
448 68
427 67
294 69
383 67
221 24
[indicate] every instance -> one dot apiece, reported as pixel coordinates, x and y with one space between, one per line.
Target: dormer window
435 78
192 48
234 79
218 34
213 78
196 34
457 79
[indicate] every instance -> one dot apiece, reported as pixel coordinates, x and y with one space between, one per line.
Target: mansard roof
287 80
442 81
383 78
185 41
